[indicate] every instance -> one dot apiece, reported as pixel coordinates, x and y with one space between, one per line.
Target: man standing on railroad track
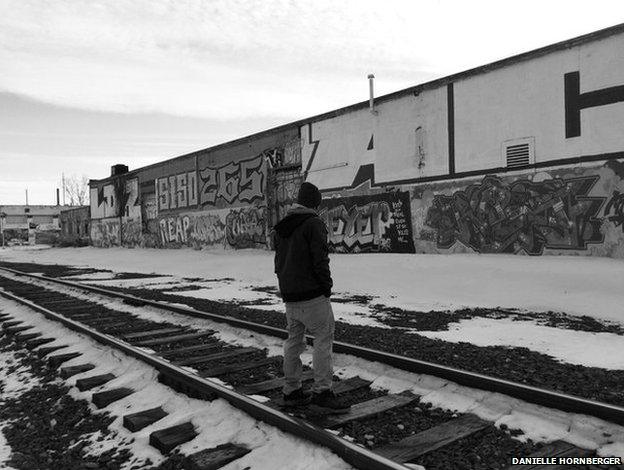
302 268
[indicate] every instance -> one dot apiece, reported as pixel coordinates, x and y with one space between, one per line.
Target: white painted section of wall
342 143
107 208
527 99
344 139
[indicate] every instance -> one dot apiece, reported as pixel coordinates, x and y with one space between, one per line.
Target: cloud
228 59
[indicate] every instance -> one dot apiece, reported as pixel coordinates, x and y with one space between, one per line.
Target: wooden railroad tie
33 343
272 384
213 357
350 384
41 352
432 439
172 339
369 408
186 386
134 302
67 372
197 347
103 399
95 381
228 369
168 439
55 302
153 332
58 359
215 458
136 421
23 337
17 329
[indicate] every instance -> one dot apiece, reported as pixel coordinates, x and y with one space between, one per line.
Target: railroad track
411 431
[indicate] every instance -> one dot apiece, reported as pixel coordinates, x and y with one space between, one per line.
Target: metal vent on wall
518 153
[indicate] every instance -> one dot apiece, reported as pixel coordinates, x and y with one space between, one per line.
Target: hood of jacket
297 215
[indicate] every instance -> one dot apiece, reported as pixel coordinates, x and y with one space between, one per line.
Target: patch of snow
90 276
574 347
157 282
5 451
612 450
222 291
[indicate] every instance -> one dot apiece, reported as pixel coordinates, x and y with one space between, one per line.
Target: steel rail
353 454
528 393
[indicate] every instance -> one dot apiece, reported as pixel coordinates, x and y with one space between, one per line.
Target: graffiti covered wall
237 228
217 197
115 207
373 223
562 211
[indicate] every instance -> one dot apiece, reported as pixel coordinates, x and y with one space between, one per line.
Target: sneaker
297 398
327 401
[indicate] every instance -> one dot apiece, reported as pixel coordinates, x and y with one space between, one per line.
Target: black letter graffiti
575 101
250 180
209 186
228 177
496 217
243 180
376 223
616 204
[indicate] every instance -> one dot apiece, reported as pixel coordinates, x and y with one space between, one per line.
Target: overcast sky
87 84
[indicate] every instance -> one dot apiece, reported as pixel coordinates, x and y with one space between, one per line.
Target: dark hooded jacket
302 256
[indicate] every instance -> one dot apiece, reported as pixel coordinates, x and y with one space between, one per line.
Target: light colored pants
317 317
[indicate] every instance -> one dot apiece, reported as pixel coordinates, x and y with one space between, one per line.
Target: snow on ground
226 290
12 385
575 347
5 452
216 422
538 423
576 285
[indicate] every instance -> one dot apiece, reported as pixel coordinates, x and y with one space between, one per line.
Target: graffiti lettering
245 228
615 209
275 157
228 176
243 180
177 191
237 228
497 217
369 223
174 229
209 230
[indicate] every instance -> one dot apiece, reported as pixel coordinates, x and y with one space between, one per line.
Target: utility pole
63 180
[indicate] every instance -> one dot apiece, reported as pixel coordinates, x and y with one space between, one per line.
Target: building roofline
416 89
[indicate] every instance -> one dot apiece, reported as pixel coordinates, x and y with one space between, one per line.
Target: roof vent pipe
371 99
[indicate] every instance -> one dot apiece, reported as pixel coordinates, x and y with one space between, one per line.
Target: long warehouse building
522 156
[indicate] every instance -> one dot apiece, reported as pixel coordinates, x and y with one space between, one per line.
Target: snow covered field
573 285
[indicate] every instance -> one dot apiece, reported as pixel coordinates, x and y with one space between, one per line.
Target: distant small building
30 223
75 225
